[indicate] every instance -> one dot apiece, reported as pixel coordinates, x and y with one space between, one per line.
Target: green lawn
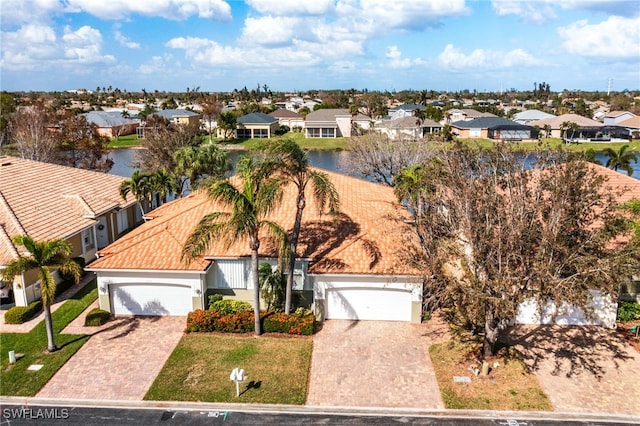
277 370
634 146
15 379
312 144
124 141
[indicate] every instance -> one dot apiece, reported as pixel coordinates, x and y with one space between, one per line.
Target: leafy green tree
227 123
620 159
44 256
287 160
250 204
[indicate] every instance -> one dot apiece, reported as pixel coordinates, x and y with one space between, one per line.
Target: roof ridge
82 201
12 215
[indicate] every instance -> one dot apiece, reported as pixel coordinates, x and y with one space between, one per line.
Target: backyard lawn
16 379
277 369
127 141
509 386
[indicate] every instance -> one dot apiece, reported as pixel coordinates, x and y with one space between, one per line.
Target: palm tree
162 183
289 161
565 126
250 205
44 256
621 159
547 130
140 186
197 164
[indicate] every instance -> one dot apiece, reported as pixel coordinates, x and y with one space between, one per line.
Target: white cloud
157 64
395 58
454 58
125 41
536 12
168 9
270 30
617 37
18 12
292 7
84 45
405 14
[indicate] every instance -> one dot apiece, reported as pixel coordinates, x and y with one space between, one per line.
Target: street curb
323 410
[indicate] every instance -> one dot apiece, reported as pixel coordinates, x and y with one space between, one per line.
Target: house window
328 133
313 132
88 241
260 133
123 221
244 133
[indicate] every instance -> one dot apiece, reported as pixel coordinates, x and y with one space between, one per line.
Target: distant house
404 110
614 118
588 129
256 125
179 116
47 201
525 117
408 127
334 123
632 125
111 124
494 128
288 118
454 115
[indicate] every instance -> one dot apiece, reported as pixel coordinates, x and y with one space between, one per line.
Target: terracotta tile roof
620 181
48 201
631 122
366 238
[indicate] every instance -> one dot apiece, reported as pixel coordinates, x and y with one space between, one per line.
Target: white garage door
150 299
366 303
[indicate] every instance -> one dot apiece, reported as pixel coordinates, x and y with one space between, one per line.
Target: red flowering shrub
242 322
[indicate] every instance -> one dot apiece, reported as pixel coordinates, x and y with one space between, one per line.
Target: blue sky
294 45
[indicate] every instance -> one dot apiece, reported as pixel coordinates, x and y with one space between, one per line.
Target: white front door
102 233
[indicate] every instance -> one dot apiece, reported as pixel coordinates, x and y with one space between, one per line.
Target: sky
300 45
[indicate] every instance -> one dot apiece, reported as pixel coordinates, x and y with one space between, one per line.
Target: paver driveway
582 369
119 362
374 364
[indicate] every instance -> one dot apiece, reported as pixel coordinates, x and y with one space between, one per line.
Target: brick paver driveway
582 369
374 364
119 362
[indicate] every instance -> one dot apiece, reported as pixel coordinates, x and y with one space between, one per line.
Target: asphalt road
50 415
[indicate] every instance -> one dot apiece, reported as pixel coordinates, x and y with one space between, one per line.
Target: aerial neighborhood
456 241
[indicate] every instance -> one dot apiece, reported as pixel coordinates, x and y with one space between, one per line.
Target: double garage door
368 303
150 299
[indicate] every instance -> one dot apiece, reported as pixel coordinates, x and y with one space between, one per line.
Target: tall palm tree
250 204
620 159
44 256
163 183
288 160
199 163
140 186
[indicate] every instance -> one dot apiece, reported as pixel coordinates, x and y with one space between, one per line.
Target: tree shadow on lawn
573 350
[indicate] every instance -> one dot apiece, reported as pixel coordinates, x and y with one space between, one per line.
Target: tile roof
556 122
489 123
630 122
409 122
169 114
256 118
284 113
48 201
366 238
109 118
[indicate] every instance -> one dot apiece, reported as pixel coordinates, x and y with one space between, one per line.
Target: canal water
124 161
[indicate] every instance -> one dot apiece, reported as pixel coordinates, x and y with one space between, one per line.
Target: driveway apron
375 364
119 362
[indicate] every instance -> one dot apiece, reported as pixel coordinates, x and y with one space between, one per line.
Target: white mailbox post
237 375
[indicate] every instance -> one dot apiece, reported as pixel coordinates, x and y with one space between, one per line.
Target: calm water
124 160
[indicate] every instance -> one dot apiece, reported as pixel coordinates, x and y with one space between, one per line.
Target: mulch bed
624 330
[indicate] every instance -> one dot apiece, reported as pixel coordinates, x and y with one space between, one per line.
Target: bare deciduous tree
80 145
495 233
376 156
211 107
33 133
162 140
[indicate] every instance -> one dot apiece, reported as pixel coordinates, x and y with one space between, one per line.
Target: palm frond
210 227
325 193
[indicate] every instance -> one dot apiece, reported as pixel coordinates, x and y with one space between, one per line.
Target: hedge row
97 317
243 322
22 314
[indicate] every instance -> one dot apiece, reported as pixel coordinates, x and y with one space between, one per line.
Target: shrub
242 322
214 298
97 317
67 280
628 311
21 314
230 306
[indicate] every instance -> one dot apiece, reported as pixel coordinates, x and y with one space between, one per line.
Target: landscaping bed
508 386
15 379
277 369
625 330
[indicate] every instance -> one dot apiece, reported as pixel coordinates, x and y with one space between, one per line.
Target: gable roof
326 114
489 123
256 118
284 113
48 201
633 122
108 118
366 238
409 122
614 114
556 122
169 114
532 114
